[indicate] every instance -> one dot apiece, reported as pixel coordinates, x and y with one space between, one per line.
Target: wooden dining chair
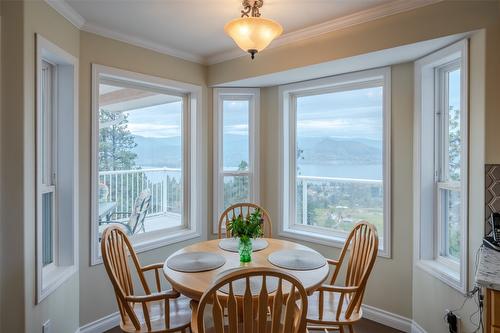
244 209
334 308
160 311
247 311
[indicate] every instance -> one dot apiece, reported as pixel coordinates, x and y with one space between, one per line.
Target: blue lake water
370 171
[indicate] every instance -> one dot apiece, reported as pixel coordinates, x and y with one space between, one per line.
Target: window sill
322 239
176 236
54 279
443 273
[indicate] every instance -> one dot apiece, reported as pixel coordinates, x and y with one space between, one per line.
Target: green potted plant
246 229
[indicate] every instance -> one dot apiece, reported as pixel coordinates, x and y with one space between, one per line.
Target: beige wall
96 294
395 273
1 180
492 89
11 243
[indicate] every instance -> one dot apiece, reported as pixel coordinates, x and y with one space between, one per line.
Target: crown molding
343 22
387 9
141 42
68 12
63 8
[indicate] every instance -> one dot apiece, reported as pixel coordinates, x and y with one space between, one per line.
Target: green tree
454 149
116 142
454 157
243 166
300 156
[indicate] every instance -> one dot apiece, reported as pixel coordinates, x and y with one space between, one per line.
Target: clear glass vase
245 249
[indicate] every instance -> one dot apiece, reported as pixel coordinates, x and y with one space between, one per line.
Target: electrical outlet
46 327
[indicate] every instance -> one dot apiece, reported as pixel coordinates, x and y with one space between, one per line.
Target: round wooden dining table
193 285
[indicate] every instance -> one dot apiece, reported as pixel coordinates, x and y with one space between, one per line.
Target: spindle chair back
341 305
280 311
244 209
118 256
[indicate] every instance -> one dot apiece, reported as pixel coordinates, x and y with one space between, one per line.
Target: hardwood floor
364 326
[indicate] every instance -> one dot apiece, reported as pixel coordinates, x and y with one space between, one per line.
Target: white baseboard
369 312
102 325
387 318
416 328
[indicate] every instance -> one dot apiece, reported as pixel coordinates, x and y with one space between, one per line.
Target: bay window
336 157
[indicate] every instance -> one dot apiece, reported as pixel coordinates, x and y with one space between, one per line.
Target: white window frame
252 95
429 165
62 179
363 79
192 159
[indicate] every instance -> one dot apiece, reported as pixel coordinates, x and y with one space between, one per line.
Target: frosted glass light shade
253 34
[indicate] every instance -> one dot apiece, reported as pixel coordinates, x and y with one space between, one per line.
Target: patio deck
166 220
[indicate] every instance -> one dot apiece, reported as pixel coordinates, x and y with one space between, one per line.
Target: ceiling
194 29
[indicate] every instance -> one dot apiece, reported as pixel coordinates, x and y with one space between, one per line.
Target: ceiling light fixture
252 33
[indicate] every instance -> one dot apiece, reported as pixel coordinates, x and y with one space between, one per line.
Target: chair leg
341 329
351 329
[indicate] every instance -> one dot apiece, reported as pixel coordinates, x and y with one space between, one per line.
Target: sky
454 92
356 113
347 114
235 117
160 121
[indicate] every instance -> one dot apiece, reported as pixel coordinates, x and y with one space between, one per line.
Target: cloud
154 130
159 121
369 128
319 124
239 129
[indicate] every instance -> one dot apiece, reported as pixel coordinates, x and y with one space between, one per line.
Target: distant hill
341 151
158 152
165 152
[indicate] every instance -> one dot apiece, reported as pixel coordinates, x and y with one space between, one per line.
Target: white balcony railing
124 186
165 185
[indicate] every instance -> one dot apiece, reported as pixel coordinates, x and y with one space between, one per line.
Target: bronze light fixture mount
251 8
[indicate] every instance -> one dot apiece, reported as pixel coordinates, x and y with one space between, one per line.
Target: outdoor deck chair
135 222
